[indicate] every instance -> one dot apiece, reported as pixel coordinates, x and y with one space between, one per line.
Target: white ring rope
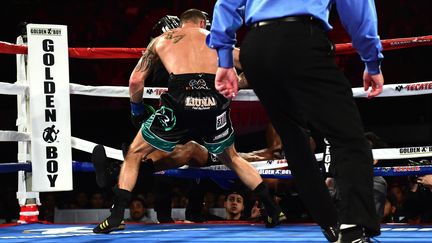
14 136
13 89
77 143
389 90
86 146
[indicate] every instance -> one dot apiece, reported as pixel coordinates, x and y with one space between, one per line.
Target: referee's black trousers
292 69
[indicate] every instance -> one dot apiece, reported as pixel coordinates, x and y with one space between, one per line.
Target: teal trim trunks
191 109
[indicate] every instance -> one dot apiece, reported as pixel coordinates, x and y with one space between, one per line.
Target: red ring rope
123 52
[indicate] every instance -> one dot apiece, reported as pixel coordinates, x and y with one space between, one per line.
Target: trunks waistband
191 81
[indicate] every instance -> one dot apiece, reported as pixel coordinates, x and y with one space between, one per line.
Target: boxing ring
239 232
242 231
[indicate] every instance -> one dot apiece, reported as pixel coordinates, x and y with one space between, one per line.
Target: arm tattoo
148 58
170 36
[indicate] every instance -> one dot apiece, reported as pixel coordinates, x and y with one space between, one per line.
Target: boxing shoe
271 220
106 170
270 211
355 234
275 219
115 221
108 225
331 233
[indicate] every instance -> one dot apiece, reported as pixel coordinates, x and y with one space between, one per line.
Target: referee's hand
226 82
375 81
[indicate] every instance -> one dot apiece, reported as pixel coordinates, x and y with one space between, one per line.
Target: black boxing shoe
109 225
274 219
115 220
353 234
270 211
331 233
106 170
99 160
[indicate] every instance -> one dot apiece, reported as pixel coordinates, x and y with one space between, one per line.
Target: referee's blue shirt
357 16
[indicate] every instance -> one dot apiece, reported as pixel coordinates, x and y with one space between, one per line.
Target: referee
290 63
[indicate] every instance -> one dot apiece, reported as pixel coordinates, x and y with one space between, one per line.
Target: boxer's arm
141 71
140 111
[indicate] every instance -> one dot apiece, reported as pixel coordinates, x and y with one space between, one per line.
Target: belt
299 18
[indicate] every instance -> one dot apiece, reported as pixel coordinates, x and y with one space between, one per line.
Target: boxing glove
140 112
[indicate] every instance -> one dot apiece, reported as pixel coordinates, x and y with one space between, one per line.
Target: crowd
398 200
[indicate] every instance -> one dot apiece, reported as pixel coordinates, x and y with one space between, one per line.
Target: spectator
138 211
418 201
396 191
389 209
425 180
235 206
379 183
81 201
210 202
97 200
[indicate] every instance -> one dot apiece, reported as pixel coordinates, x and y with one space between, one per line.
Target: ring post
27 199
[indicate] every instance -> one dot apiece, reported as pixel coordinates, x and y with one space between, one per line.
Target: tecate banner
48 73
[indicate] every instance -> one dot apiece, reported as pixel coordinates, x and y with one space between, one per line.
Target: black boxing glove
166 23
140 112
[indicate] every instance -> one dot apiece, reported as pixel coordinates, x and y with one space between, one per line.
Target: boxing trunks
191 107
